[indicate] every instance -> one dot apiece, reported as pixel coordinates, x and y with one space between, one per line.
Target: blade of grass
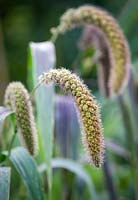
43 59
67 127
5 173
27 169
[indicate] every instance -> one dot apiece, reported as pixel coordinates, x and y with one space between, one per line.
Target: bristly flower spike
88 110
119 51
17 98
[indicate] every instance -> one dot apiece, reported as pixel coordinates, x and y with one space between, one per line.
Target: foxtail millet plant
88 109
119 51
17 98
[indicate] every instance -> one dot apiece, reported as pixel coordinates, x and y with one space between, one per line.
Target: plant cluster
103 32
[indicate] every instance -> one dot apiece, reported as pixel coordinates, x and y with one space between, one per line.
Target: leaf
67 128
43 59
5 174
4 112
27 169
74 168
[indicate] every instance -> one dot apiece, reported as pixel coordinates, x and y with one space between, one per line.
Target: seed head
88 109
119 51
17 98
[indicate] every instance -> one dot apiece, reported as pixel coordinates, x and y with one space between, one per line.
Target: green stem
11 143
49 194
130 136
109 180
129 116
127 121
133 106
54 38
134 115
34 89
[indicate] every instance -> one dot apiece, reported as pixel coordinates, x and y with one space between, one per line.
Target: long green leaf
27 169
67 128
43 58
75 168
5 173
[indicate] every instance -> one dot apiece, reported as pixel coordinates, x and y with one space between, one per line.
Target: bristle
17 98
88 109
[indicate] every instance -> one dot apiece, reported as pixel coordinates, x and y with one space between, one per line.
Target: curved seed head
88 109
17 98
119 51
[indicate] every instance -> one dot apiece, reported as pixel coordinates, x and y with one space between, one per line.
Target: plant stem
134 115
129 125
49 194
129 129
109 181
34 89
133 106
127 121
11 143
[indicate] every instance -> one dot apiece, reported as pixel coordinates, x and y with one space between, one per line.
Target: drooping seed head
88 109
17 98
119 51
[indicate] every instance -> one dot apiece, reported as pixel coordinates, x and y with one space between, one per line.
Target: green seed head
88 109
17 98
119 51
